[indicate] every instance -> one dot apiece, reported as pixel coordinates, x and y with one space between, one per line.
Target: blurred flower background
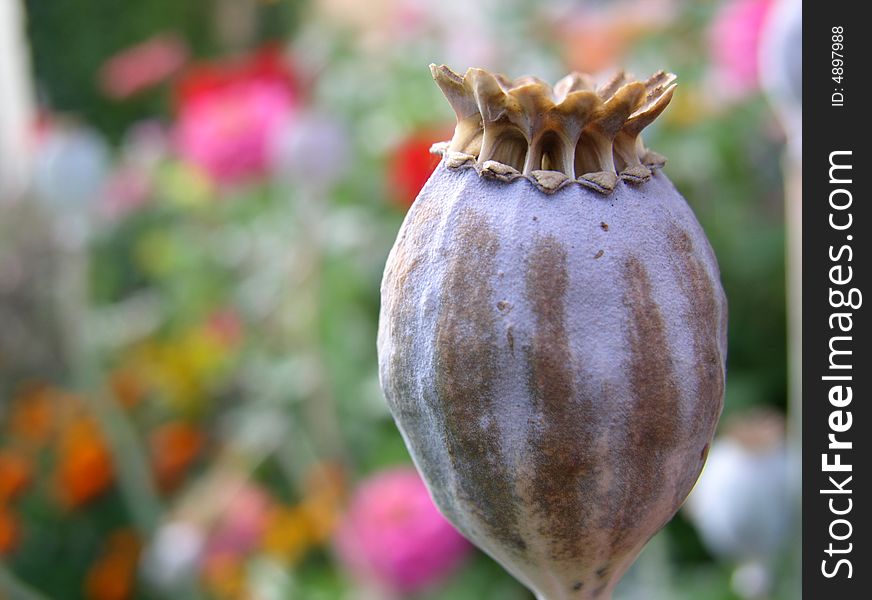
196 202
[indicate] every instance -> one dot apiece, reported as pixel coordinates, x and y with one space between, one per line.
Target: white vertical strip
16 101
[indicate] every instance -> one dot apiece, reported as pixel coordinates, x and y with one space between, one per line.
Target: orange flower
112 575
323 518
599 37
14 474
324 494
173 446
8 530
84 468
287 534
32 416
224 575
127 387
325 480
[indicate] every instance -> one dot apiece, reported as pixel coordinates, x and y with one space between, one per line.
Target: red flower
411 164
267 64
174 446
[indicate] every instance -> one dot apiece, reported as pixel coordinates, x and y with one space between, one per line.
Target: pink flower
241 524
228 113
393 535
226 325
125 190
131 183
142 66
734 42
146 144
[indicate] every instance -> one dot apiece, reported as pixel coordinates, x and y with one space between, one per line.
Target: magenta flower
734 42
394 537
228 114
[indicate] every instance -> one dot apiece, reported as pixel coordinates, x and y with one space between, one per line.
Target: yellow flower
186 186
181 370
154 252
688 107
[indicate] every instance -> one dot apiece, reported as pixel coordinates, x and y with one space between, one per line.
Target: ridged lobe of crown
572 132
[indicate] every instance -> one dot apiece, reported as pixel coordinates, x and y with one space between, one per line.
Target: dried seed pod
553 329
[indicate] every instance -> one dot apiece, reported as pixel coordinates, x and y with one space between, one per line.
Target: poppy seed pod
552 333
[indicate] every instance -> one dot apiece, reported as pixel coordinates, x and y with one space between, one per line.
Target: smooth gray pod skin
555 364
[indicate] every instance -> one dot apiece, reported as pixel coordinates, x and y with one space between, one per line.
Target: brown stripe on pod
704 318
653 419
466 356
562 486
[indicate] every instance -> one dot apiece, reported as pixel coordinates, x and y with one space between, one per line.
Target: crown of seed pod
552 333
573 132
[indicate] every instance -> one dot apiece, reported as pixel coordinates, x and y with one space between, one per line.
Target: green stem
132 469
13 588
